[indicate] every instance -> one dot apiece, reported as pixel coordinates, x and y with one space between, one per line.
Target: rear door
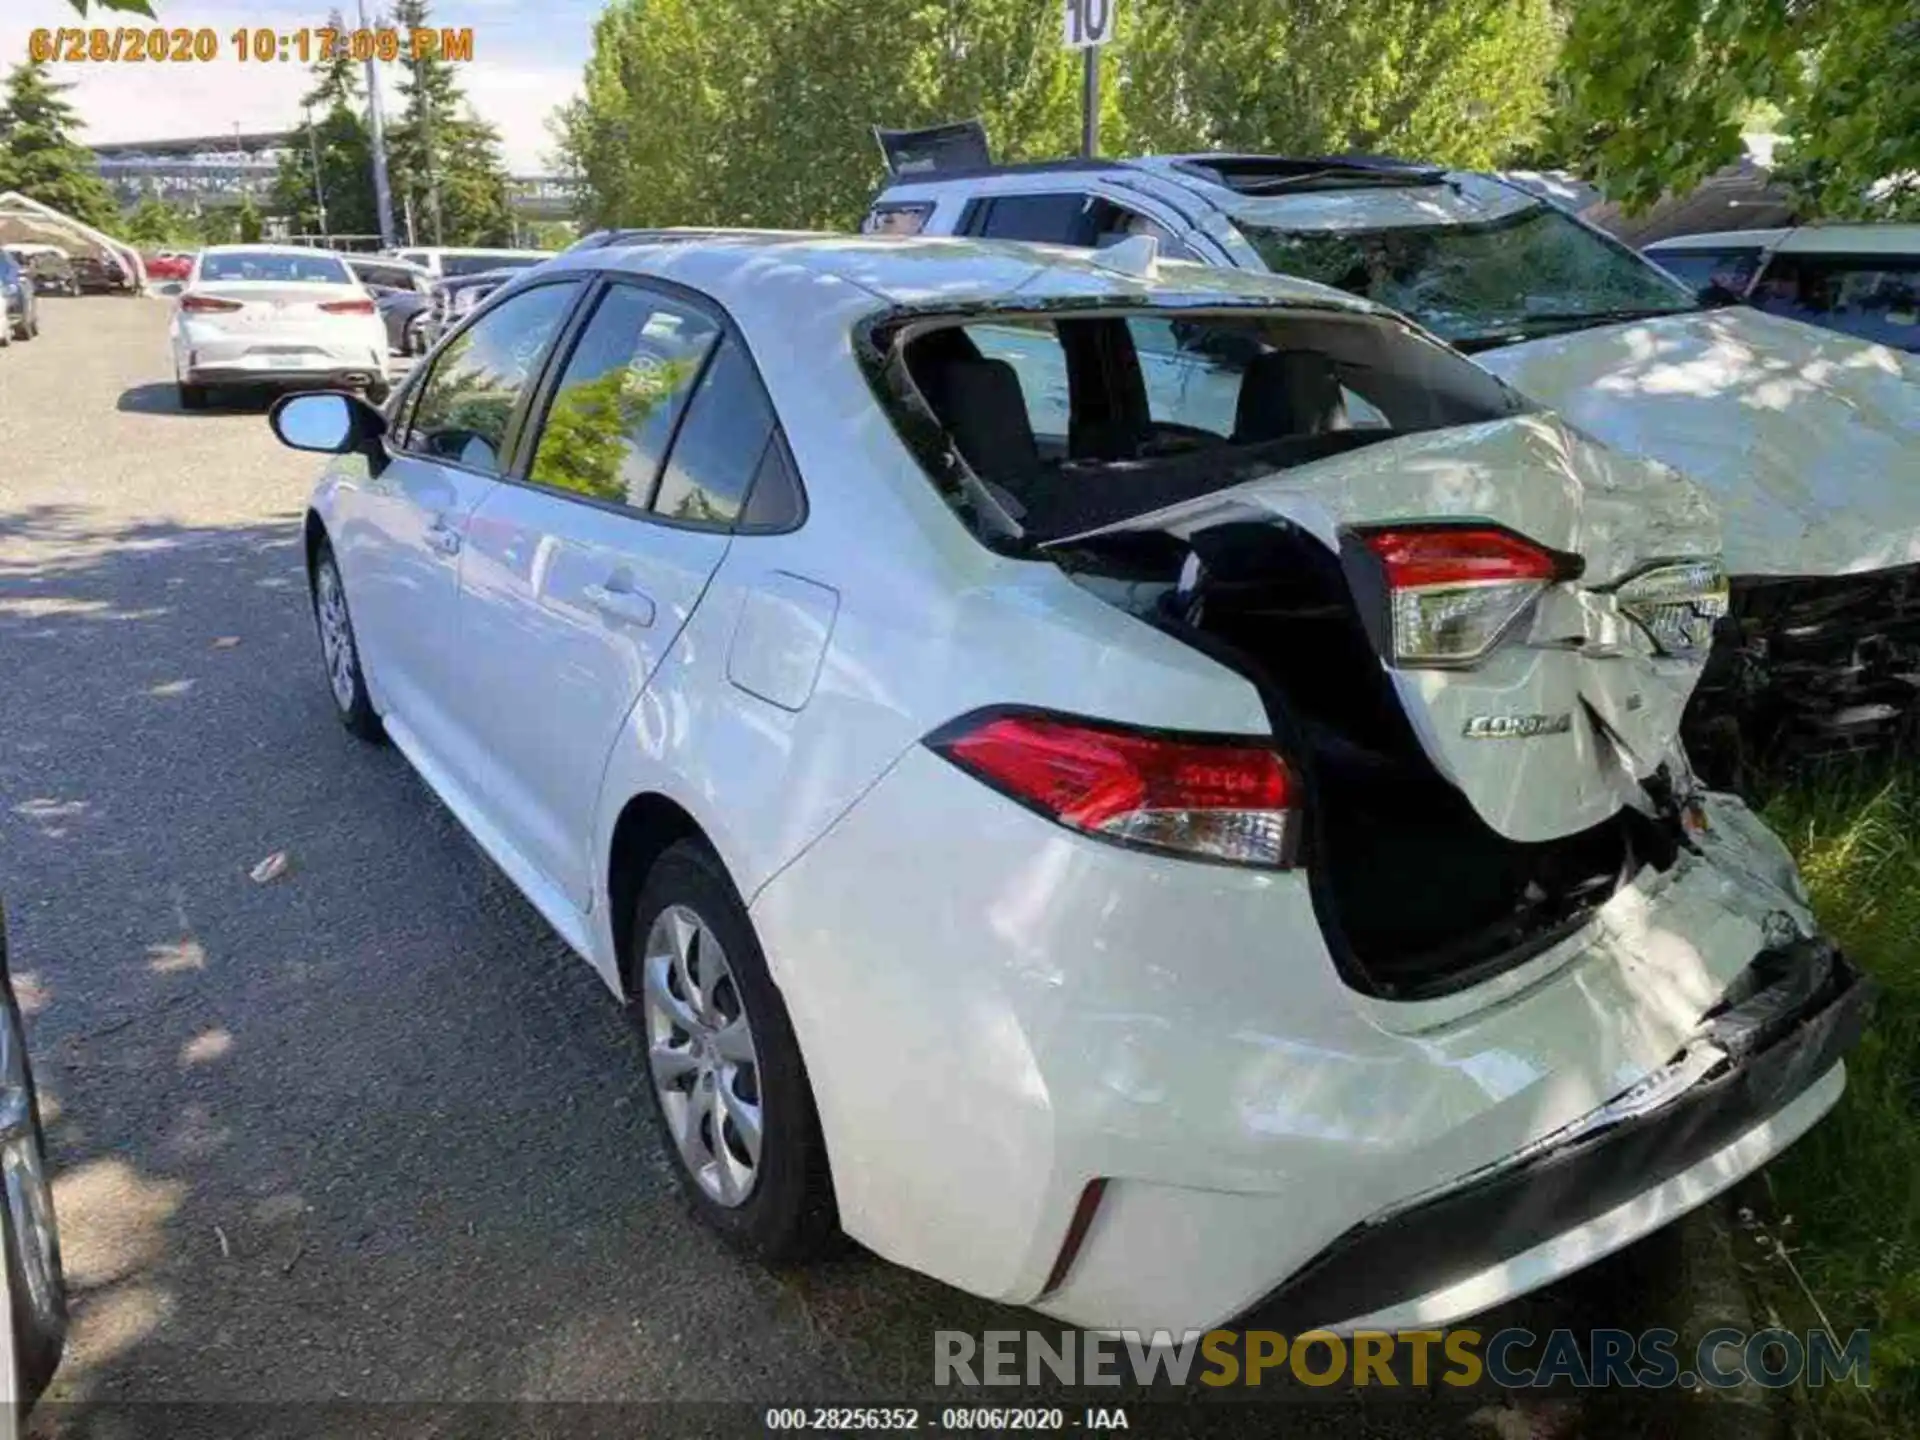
583 571
399 534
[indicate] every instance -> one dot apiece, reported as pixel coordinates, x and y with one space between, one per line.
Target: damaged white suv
1136 790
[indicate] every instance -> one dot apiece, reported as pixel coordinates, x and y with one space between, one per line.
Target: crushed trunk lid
1552 730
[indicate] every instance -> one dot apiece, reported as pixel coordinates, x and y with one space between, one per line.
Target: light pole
319 186
377 134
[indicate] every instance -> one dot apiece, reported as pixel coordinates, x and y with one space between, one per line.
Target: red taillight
207 304
1458 555
1455 590
1230 800
347 307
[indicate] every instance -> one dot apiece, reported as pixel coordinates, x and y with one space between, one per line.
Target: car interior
1078 421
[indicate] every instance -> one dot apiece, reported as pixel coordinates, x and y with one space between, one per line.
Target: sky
527 59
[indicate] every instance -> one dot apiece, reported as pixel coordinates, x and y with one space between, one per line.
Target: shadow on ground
164 399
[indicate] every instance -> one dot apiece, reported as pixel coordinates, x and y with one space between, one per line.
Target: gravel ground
368 1132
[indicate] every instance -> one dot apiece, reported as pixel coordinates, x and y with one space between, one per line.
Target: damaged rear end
1475 631
1476 646
1489 986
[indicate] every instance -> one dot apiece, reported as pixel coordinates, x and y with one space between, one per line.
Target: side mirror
327 421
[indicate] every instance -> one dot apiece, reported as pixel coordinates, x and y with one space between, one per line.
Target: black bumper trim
1788 1019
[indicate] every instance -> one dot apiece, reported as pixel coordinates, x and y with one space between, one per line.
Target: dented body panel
1552 732
1808 441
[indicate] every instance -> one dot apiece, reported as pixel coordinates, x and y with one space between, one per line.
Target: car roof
759 272
1308 193
1889 238
266 249
1718 240
464 250
1882 239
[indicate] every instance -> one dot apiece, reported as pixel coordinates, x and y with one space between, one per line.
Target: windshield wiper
1526 327
1602 317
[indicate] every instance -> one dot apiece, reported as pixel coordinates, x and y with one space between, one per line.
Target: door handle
441 539
629 605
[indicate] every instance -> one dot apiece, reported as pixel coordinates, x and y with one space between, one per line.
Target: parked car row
1138 788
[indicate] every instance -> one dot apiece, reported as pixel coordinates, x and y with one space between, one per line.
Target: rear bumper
344 378
1577 1198
207 355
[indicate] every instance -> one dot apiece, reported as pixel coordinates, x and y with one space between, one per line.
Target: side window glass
719 449
1032 348
776 501
1875 299
1059 219
607 429
1119 224
1730 269
462 410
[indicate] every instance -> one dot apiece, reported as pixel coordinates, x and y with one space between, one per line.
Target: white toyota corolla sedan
277 315
1135 789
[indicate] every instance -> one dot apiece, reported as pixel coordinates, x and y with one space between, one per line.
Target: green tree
153 222
325 179
247 222
444 162
1657 92
760 111
1463 82
38 154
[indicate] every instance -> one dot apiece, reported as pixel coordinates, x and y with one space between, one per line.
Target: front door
401 533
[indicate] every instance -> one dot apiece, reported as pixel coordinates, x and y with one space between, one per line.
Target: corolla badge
1517 727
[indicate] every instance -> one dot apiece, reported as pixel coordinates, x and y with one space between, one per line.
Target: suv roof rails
1265 174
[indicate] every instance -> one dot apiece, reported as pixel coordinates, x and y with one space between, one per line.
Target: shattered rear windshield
1047 425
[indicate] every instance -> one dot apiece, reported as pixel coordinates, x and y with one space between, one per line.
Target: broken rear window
1052 424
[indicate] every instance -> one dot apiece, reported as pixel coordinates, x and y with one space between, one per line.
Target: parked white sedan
1120 857
275 315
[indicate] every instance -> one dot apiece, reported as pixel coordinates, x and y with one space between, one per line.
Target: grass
1844 1203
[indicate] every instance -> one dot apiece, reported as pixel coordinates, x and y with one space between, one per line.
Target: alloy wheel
336 633
700 1050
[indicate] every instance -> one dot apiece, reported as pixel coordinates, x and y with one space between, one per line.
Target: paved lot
368 1131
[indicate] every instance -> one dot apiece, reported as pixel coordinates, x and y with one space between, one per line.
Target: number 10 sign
1089 22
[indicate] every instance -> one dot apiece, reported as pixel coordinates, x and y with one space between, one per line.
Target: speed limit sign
1089 22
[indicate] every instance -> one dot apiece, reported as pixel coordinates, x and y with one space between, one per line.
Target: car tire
192 397
6 335
340 650
687 909
378 392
